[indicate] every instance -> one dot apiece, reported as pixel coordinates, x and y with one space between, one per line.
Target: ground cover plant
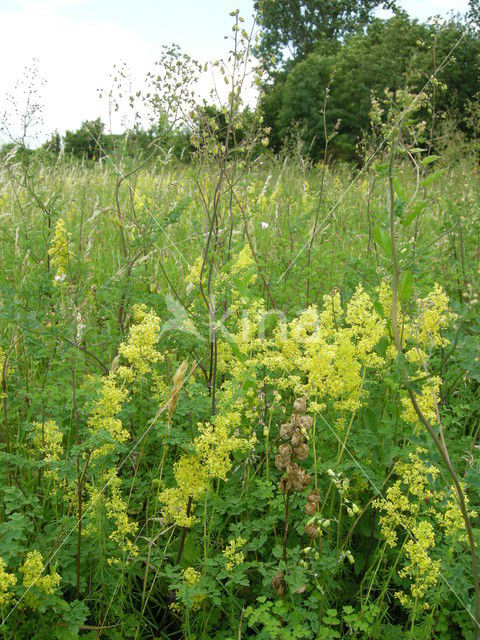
239 394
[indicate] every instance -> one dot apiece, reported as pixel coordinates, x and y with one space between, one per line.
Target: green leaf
429 160
370 418
176 212
432 178
383 240
412 215
383 170
405 286
397 185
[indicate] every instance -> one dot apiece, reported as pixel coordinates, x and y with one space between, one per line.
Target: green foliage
193 446
297 25
392 54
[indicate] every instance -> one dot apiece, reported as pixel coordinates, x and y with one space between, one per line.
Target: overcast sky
77 43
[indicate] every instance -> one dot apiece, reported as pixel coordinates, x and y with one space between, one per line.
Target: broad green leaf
382 238
405 286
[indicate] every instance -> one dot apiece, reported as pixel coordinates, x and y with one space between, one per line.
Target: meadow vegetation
239 394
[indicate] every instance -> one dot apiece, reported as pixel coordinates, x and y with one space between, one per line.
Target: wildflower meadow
240 390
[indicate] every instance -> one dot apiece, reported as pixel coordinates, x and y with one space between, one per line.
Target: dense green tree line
324 62
393 54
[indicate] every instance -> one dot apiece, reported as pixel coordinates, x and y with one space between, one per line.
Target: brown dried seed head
279 584
285 450
313 496
307 480
310 508
301 452
286 431
312 531
300 405
297 476
280 462
306 422
297 438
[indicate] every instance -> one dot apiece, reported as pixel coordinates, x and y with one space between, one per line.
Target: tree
398 53
298 25
53 145
86 142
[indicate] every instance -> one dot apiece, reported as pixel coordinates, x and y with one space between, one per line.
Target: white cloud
424 9
429 8
75 58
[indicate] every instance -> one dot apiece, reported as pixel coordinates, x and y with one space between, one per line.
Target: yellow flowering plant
216 391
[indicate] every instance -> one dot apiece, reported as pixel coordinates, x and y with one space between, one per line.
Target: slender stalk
322 184
440 445
285 529
184 533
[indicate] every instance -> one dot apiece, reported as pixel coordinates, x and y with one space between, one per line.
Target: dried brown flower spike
279 584
283 457
286 431
296 478
301 452
300 405
312 530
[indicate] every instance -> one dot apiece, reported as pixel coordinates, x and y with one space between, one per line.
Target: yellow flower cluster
420 334
404 497
139 350
325 353
194 473
48 440
433 317
193 277
140 354
427 516
59 250
7 581
116 509
331 349
32 570
424 330
144 191
427 400
104 415
215 444
243 261
2 360
191 576
420 569
233 553
179 501
366 327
